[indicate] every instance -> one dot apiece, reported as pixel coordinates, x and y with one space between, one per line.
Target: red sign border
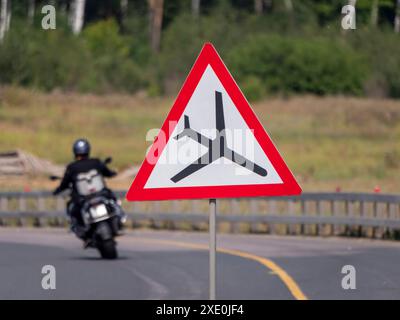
209 56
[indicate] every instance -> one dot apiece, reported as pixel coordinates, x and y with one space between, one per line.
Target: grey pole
213 247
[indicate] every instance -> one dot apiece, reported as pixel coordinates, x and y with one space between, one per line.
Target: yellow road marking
282 274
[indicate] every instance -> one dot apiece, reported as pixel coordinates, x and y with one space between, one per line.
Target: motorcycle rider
83 164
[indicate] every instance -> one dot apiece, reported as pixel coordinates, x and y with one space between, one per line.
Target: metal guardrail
361 214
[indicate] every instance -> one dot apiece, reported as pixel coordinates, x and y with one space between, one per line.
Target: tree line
80 12
271 46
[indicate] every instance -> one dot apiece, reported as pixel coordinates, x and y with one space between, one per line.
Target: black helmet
81 147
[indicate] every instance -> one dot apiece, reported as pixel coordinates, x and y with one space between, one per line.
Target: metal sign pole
213 246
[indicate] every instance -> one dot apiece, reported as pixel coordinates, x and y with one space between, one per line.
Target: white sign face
211 145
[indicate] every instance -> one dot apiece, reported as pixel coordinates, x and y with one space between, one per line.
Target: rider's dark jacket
81 166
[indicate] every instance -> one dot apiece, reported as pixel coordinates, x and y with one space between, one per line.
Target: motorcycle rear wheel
108 249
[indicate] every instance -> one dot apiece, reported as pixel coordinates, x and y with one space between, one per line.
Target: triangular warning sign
211 145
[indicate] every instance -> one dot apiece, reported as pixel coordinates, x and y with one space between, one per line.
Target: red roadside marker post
211 146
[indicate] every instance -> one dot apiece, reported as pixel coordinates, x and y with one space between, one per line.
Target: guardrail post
254 226
319 227
381 213
375 215
3 208
235 226
291 227
336 227
393 215
346 212
21 209
180 208
303 213
272 211
349 213
389 214
41 208
362 214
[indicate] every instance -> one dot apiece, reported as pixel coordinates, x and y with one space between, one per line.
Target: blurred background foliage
282 47
320 88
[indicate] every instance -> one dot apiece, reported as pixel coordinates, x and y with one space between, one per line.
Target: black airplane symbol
217 148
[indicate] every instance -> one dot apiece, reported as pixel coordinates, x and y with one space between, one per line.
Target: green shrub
45 60
110 54
383 51
184 38
286 64
253 88
98 61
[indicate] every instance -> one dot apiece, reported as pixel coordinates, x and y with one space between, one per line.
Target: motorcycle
102 216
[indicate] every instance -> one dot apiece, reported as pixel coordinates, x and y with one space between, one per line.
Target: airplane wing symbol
217 148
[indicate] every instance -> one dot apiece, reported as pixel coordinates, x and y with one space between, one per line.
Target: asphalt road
174 265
